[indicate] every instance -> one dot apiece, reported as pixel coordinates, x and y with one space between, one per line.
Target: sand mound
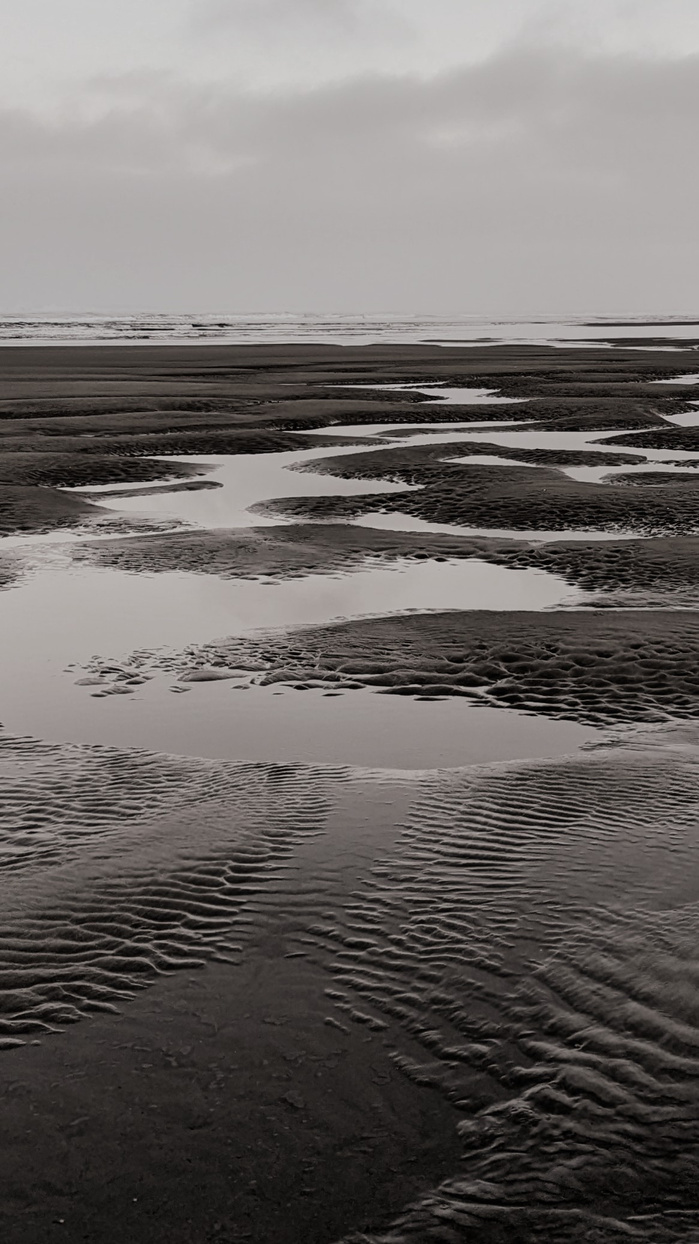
517 497
593 667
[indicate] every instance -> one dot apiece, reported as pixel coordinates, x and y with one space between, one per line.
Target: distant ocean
145 328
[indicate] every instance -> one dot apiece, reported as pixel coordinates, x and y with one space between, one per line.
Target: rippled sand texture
248 1000
498 494
597 667
566 1035
520 938
122 866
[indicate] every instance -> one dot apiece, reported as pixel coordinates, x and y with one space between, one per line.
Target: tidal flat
349 829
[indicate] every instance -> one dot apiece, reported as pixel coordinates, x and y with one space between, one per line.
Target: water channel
64 613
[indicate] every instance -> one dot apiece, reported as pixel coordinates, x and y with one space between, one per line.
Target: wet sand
404 950
598 667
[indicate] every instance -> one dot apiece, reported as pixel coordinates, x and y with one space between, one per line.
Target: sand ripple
121 866
522 937
595 667
523 948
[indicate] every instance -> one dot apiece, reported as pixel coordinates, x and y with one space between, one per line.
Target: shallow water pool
406 522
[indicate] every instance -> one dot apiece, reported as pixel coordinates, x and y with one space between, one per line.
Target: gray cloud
267 15
48 49
283 42
314 41
531 182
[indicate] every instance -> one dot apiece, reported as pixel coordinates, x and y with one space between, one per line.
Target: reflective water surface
65 613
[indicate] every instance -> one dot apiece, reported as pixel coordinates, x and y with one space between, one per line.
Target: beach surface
349 752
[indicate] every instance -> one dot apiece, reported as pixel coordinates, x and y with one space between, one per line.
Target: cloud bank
535 181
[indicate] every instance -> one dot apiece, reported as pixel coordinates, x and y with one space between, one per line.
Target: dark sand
10 569
219 1106
638 572
517 497
661 438
444 970
594 667
256 1002
93 415
299 549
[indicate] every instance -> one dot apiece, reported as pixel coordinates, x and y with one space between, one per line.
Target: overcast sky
475 156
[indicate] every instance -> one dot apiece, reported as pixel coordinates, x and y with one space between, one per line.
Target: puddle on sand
686 418
249 480
600 475
648 458
485 460
406 522
447 395
587 474
246 480
408 431
360 727
66 615
539 438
